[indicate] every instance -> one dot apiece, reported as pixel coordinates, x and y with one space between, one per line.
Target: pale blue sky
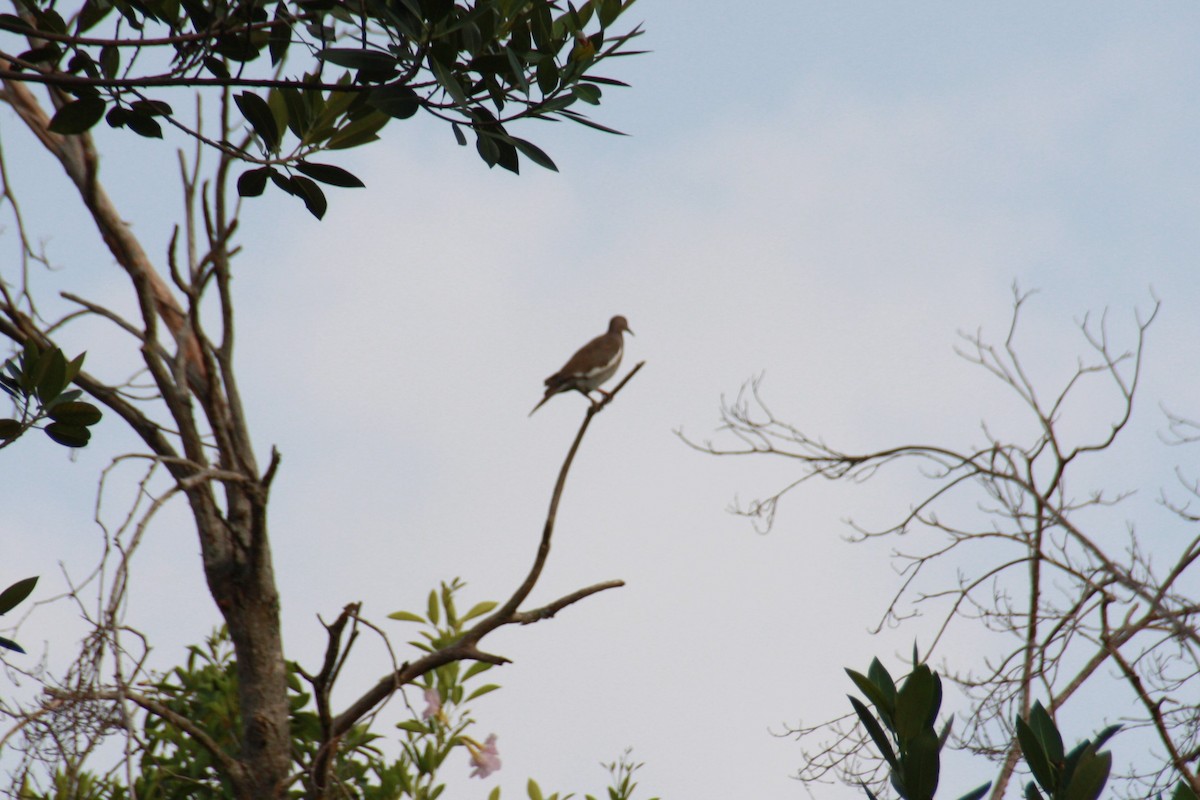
826 192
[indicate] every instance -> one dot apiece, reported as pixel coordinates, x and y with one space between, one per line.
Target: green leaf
358 59
413 726
68 435
1035 757
281 34
1046 732
76 413
977 793
11 645
534 154
327 173
431 608
921 766
153 108
479 609
879 676
448 82
876 733
53 378
258 114
481 691
884 705
1031 792
494 794
396 101
9 429
216 66
475 669
314 199
587 92
917 703
405 616
253 182
144 125
534 791
74 365
11 597
361 131
78 115
1089 776
1183 791
110 61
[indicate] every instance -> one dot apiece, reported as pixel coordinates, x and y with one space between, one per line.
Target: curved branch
466 647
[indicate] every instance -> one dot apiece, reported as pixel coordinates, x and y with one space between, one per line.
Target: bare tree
191 420
1035 557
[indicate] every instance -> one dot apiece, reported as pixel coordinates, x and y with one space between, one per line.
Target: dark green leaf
76 413
327 173
110 61
253 182
216 66
1035 757
918 702
534 154
311 194
1106 734
459 136
11 597
362 130
11 22
82 62
1183 791
587 92
1031 792
153 108
258 114
68 435
74 365
547 75
11 645
1043 727
78 115
298 116
117 117
396 101
144 125
281 34
876 733
921 766
53 378
879 698
9 429
358 59
91 14
448 82
977 793
47 53
1089 776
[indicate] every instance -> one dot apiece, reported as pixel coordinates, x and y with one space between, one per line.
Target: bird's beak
630 332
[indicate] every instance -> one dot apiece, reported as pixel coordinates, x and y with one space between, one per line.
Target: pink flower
433 703
485 759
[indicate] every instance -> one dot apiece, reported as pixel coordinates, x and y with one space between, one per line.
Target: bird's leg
588 394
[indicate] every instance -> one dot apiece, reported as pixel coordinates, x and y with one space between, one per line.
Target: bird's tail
542 402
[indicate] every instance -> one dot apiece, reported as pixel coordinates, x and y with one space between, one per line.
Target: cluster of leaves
476 65
910 746
621 784
1078 775
37 382
902 728
175 766
10 598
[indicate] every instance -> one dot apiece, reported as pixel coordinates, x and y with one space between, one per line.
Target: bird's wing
594 357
